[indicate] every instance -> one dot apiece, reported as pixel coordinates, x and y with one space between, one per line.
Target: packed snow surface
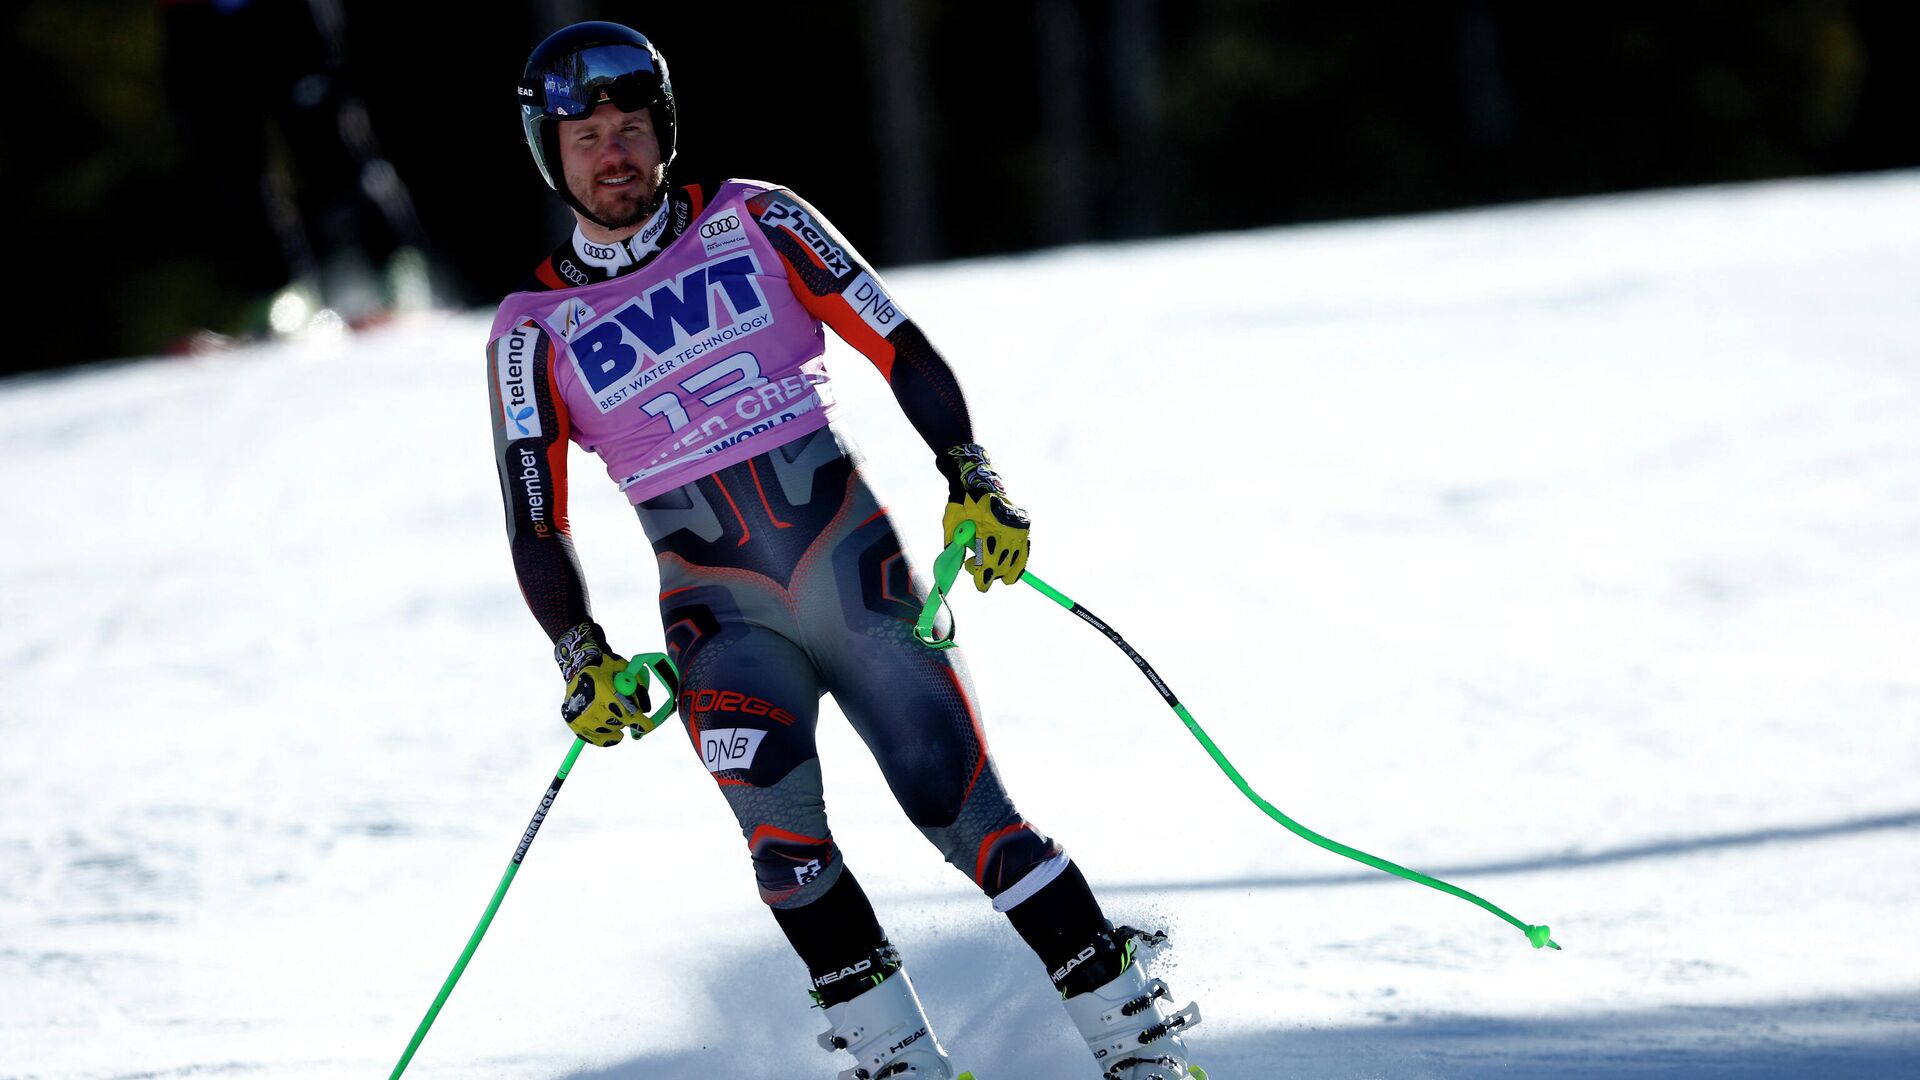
1568 551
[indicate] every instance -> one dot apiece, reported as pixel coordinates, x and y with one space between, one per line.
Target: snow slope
1568 551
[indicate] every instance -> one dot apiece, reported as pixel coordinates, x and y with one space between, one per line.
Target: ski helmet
580 67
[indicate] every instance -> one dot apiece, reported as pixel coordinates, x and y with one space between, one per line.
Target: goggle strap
629 93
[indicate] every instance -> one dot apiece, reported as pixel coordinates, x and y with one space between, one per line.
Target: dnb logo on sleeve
668 327
876 308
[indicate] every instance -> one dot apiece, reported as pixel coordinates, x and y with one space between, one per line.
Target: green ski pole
626 684
947 567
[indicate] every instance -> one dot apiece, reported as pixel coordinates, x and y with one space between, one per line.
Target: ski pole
946 568
624 682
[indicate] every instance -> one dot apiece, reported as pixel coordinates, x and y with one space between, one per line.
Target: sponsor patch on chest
669 325
567 319
721 232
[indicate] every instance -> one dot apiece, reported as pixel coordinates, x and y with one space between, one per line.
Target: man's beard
616 212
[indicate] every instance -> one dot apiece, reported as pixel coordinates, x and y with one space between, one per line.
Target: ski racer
678 335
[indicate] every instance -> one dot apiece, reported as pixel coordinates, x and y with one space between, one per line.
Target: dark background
935 129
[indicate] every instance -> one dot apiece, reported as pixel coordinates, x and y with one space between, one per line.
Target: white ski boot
886 1031
1130 1037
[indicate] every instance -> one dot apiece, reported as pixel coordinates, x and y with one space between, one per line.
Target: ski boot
1130 1037
886 1031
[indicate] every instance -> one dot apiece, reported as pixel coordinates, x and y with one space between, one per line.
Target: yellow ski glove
975 493
593 708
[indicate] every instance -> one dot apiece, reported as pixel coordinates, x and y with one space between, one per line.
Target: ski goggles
574 85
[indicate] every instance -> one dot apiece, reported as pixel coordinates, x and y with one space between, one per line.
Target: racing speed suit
689 359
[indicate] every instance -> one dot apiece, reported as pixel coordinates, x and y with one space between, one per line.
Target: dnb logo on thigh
725 748
729 747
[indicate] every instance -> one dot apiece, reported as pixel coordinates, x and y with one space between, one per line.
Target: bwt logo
665 316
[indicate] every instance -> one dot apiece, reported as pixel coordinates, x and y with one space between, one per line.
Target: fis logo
785 214
568 318
514 368
609 354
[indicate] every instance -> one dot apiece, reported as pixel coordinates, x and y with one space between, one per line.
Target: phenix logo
609 354
785 214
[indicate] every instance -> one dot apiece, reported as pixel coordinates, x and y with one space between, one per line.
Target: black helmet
580 67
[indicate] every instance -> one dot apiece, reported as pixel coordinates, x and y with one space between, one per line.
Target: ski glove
975 493
595 710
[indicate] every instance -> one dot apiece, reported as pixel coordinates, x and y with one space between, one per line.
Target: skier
678 335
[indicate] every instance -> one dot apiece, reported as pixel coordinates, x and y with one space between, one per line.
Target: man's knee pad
992 845
793 869
795 860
